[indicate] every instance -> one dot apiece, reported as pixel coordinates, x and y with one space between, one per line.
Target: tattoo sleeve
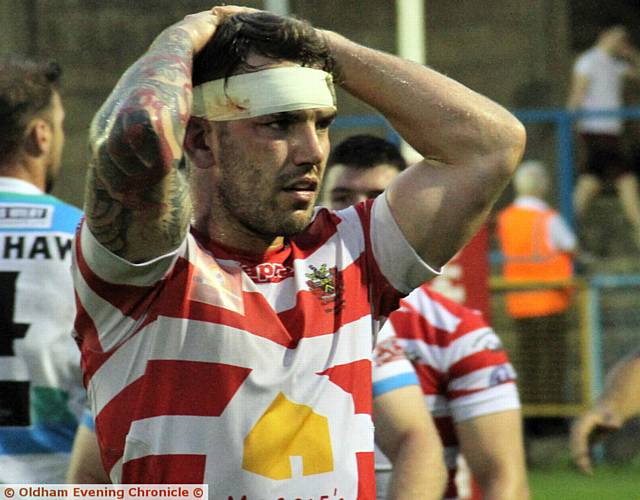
137 202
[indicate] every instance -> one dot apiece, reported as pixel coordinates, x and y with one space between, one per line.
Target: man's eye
324 124
280 125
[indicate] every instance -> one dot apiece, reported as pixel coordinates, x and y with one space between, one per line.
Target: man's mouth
302 190
302 185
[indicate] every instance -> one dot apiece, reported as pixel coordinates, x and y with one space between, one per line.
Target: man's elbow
513 141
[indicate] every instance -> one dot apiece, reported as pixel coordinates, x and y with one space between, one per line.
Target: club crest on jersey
323 282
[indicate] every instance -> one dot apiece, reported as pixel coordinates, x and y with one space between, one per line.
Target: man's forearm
145 117
417 474
137 204
471 146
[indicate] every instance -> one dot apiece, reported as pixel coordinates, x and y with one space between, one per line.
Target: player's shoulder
66 216
348 224
426 298
587 59
444 316
39 212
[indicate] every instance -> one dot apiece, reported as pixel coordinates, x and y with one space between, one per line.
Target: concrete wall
514 51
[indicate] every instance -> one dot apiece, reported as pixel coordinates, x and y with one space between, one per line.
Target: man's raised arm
137 202
470 144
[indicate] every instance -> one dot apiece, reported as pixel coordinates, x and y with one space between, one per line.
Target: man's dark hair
26 90
366 151
263 33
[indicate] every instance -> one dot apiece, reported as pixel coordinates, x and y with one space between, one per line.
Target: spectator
216 353
41 393
538 246
597 84
619 402
463 370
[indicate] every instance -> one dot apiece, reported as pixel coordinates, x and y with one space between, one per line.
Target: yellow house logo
286 430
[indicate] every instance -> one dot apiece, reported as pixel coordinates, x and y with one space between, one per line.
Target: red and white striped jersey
463 369
251 374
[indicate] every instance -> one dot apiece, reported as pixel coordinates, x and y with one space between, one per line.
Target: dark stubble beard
241 193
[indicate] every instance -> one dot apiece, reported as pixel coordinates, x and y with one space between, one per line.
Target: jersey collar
13 185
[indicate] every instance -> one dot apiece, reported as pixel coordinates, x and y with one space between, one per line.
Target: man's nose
307 146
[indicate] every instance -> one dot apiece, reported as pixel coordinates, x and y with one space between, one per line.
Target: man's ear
39 138
195 143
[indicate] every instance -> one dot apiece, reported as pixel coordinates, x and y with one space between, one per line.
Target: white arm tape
397 260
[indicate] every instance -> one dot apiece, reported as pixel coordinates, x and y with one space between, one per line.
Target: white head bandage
285 88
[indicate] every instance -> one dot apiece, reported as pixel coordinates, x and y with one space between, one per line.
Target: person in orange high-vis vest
537 246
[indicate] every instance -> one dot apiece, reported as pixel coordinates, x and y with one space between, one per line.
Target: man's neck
25 172
241 239
606 48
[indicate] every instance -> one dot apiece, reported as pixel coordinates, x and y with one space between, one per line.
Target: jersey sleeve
113 269
397 260
461 364
481 379
393 268
490 400
113 296
391 368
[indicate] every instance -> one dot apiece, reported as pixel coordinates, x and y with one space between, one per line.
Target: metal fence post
565 145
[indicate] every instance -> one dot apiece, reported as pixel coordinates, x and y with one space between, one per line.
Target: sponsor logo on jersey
25 216
288 430
323 282
268 272
501 374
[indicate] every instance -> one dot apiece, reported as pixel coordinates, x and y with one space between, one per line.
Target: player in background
41 392
464 372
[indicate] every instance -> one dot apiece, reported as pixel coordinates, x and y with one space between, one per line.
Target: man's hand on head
200 28
224 11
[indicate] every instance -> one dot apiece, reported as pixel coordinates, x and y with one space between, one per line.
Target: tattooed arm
137 202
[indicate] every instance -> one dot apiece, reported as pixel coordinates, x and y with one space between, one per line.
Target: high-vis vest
529 256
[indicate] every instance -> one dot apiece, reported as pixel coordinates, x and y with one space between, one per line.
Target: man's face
346 186
268 169
616 40
56 121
